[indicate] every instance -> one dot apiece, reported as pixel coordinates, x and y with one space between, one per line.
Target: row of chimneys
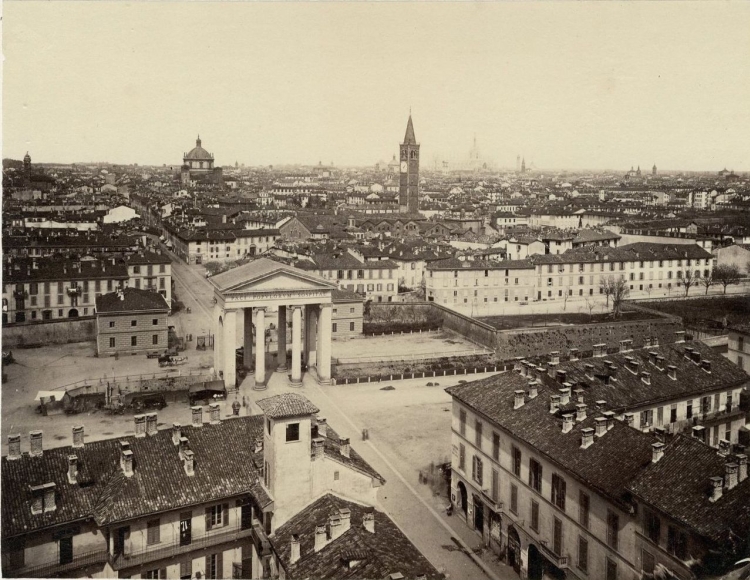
337 524
735 472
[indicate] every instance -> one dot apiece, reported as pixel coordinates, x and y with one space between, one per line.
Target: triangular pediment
281 281
264 275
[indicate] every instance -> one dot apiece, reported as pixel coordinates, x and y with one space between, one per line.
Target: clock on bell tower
409 178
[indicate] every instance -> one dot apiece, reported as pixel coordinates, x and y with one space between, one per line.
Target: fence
410 357
423 375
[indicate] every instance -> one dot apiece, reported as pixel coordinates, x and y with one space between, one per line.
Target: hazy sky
567 85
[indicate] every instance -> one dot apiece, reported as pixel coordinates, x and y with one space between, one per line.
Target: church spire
409 138
198 141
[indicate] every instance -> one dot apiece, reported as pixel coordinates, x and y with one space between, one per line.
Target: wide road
445 541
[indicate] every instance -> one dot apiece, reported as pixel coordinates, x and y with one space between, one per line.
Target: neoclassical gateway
247 296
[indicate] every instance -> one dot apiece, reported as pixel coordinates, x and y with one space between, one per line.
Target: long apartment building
567 490
650 270
273 495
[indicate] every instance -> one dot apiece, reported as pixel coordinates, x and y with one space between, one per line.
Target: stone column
248 338
323 355
218 330
311 333
281 341
296 346
229 346
260 348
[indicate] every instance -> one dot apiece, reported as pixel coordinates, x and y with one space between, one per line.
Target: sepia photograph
375 290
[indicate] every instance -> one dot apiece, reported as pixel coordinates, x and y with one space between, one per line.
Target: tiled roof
589 235
456 264
332 449
133 300
287 405
679 485
344 296
607 465
56 269
630 252
382 553
148 258
159 482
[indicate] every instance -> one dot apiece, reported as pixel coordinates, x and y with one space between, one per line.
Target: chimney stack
706 366
197 414
646 377
189 458
344 447
573 354
565 394
716 488
151 422
589 371
600 426
49 497
579 393
321 538
184 446
672 372
78 436
368 522
561 377
652 356
36 443
14 447
661 434
322 427
127 463
258 445
657 452
741 459
176 433
554 357
587 439
629 419
730 471
72 469
518 399
318 448
580 412
600 350
334 526
214 411
294 555
345 514
533 390
724 447
554 404
567 425
699 432
140 425
679 336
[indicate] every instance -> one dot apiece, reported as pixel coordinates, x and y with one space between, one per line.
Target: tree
689 280
726 274
620 291
707 281
590 304
606 287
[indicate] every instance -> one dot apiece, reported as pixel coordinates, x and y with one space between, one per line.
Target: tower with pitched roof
408 192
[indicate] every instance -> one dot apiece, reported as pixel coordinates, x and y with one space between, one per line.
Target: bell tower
408 191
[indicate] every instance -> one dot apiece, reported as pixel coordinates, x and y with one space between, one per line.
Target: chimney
551 370
533 389
625 345
699 432
672 372
716 488
567 425
730 477
580 412
587 439
321 538
539 372
72 469
573 354
368 522
345 514
322 427
741 459
294 555
344 447
661 434
561 376
518 399
564 395
184 446
611 373
334 526
633 365
600 426
646 377
140 425
151 422
706 366
652 356
589 371
176 433
258 445
629 419
657 452
14 447
197 413
554 404
554 357
36 443
317 448
49 497
600 350
579 393
724 447
189 458
214 411
126 461
78 436
679 336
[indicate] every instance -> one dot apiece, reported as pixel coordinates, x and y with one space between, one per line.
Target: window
495 485
213 566
155 321
461 457
613 529
133 323
133 341
335 327
558 491
462 422
652 524
495 446
153 528
477 469
335 476
186 569
648 563
535 475
155 339
673 414
514 498
583 554
155 574
216 516
478 434
676 542
351 327
611 570
516 452
292 432
534 516
557 538
689 411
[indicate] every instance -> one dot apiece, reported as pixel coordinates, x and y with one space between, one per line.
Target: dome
199 153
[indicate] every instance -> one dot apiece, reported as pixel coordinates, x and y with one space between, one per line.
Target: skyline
297 84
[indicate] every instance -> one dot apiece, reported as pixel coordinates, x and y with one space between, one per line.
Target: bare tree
620 291
590 304
606 286
707 282
566 294
726 274
689 280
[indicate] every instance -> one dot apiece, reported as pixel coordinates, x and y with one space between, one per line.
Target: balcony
165 550
561 562
53 567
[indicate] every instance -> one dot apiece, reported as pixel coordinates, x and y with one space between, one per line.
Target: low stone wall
60 331
470 328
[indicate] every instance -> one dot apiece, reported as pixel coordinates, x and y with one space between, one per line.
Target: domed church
198 166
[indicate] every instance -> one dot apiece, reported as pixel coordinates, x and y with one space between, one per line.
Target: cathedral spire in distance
409 138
